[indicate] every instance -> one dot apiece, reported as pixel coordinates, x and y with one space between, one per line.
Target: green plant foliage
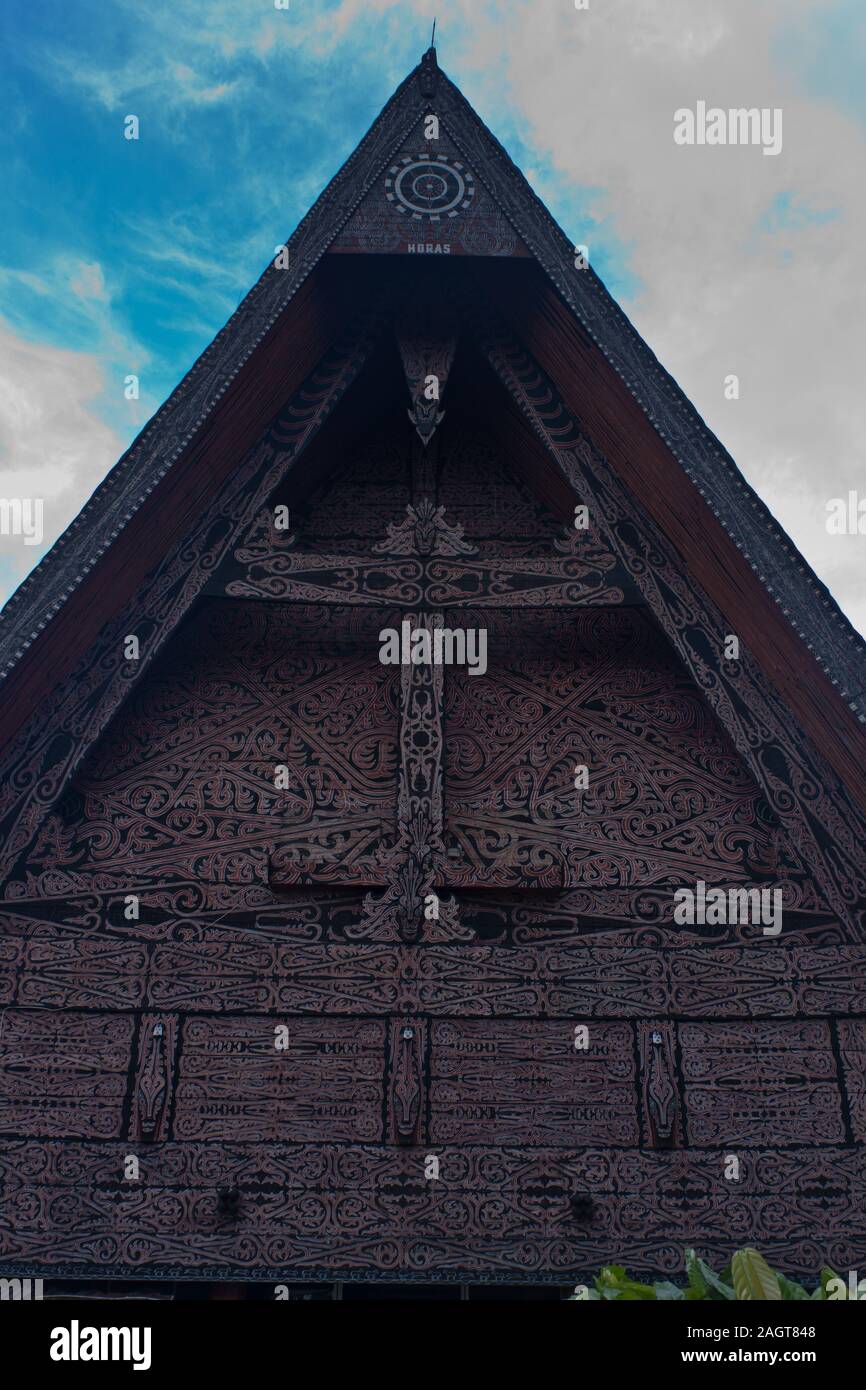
753 1277
748 1276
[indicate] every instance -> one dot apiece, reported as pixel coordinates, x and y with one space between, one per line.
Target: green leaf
792 1292
753 1277
704 1282
613 1281
612 1275
827 1275
748 1276
697 1282
665 1291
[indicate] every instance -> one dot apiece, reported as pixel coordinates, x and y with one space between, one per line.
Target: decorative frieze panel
63 1073
299 1079
347 1210
832 980
749 981
581 979
82 973
761 1083
624 983
532 1083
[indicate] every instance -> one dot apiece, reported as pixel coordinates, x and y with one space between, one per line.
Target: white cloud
786 309
53 445
88 282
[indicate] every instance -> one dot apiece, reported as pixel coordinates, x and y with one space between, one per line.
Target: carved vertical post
660 1096
154 1078
406 1087
418 853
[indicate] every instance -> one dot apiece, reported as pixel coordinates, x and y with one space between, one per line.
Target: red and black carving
662 1111
760 1083
63 1073
243 1079
407 1091
517 1082
153 1086
367 1211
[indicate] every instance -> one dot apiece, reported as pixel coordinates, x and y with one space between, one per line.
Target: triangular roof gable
837 648
277 302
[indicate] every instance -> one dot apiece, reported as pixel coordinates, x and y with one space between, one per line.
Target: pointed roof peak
428 71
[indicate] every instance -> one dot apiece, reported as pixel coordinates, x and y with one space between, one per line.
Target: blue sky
121 257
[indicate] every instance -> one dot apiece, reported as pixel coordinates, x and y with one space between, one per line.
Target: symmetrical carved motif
63 1073
662 1119
424 532
406 1086
760 1083
427 339
412 864
154 1077
519 1082
367 1211
429 203
236 1083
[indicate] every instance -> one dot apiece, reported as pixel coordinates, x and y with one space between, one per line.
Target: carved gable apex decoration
430 202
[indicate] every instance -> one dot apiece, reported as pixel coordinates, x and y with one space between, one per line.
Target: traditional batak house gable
326 959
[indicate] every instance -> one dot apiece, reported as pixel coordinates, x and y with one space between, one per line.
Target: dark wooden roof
196 405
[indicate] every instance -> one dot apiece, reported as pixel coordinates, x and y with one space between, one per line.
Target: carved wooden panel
347 1210
743 981
755 717
761 1083
82 973
587 979
667 800
527 1083
63 1073
235 1082
833 981
185 784
625 983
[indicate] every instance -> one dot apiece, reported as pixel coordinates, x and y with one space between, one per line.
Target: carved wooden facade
354 942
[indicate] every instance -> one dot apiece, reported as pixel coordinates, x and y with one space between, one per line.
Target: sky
121 257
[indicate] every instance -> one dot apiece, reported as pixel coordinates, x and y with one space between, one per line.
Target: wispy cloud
53 444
